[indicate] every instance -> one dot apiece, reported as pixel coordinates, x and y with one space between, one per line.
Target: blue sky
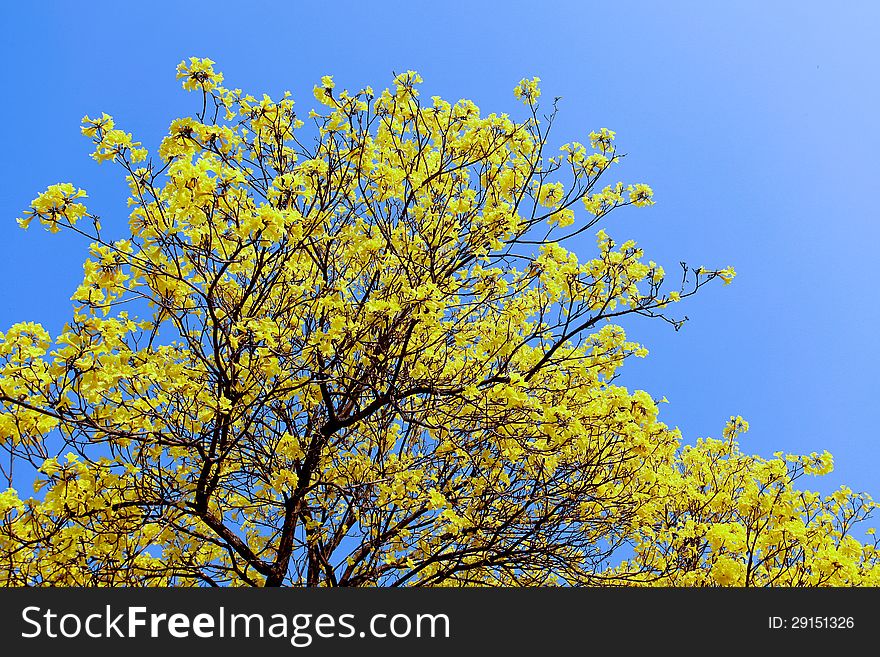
755 123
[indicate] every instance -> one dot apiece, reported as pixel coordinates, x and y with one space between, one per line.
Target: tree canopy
355 348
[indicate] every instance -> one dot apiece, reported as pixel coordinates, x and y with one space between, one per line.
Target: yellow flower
527 90
199 74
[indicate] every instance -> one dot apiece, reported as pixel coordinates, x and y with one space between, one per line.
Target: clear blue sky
755 122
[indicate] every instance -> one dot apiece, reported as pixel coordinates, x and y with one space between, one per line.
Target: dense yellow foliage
359 354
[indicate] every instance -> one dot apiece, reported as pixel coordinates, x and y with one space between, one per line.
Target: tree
359 354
